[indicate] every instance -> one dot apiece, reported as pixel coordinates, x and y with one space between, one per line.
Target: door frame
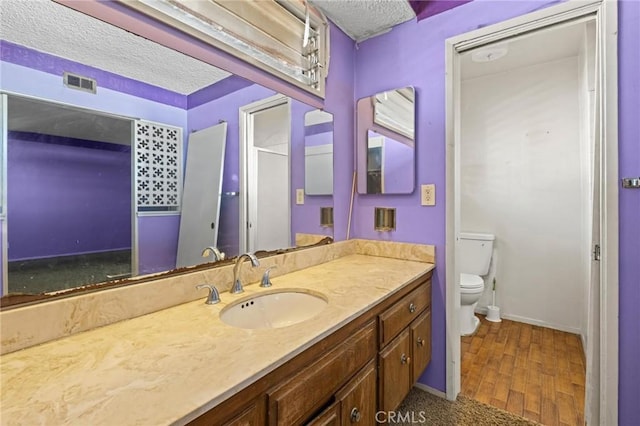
605 12
245 175
4 253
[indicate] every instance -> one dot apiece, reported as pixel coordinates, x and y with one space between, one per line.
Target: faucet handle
266 280
213 297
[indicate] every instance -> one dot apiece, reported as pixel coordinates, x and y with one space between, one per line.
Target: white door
201 194
264 175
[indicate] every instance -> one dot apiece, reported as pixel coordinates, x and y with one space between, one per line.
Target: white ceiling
49 27
362 19
538 47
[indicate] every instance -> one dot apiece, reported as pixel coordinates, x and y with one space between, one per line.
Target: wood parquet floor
535 372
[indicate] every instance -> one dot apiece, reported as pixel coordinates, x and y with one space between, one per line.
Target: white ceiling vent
79 82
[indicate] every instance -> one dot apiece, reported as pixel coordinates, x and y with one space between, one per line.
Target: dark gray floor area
60 273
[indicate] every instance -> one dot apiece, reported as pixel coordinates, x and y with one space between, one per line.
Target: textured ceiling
362 19
55 29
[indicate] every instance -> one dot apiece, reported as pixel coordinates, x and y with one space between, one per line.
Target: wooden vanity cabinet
329 417
405 341
358 398
299 397
366 366
355 403
421 341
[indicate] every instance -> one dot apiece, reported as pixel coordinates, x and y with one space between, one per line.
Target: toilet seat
471 282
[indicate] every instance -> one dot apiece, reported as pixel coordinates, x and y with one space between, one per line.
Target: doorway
600 293
265 208
67 196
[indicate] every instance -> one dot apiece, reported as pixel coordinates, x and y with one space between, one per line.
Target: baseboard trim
541 323
430 390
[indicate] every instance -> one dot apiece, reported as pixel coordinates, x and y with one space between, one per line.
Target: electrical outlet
428 195
299 196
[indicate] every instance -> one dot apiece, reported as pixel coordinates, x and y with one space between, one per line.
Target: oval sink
275 309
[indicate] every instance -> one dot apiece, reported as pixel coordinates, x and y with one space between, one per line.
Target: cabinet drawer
403 312
395 372
298 397
421 341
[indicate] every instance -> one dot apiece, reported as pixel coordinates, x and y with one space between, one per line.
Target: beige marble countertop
173 365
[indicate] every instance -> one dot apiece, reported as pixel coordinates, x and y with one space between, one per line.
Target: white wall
523 179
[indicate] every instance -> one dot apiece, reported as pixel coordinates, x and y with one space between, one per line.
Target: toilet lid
471 281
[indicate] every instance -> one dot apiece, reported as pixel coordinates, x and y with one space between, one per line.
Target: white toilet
475 258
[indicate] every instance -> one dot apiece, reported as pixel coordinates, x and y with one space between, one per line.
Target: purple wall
399 173
317 139
420 62
158 250
629 166
60 189
340 102
209 114
55 65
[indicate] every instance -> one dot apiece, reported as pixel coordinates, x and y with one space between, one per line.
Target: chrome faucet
217 254
237 285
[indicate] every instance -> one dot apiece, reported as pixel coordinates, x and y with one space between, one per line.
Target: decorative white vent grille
158 156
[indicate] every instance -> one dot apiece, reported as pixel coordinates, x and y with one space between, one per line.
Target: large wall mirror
385 142
123 158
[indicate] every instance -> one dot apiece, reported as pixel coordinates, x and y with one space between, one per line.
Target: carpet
421 407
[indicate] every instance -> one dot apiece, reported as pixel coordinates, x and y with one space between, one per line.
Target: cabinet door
421 341
358 398
395 372
329 417
251 417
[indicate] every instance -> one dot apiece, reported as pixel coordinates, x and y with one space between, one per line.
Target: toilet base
469 326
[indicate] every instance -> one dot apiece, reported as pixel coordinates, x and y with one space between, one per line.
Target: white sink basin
274 309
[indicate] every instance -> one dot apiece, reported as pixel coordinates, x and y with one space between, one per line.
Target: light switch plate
299 196
428 195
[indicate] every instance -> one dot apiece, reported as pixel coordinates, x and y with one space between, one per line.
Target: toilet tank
475 253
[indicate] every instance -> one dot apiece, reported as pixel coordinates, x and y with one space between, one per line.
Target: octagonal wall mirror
385 142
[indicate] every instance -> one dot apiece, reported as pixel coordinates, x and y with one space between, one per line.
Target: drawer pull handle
355 415
405 359
412 308
420 341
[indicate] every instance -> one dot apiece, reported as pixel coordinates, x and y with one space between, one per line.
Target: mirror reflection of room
69 196
318 153
156 220
386 142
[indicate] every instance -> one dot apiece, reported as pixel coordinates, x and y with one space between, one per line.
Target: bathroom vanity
337 380
181 365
